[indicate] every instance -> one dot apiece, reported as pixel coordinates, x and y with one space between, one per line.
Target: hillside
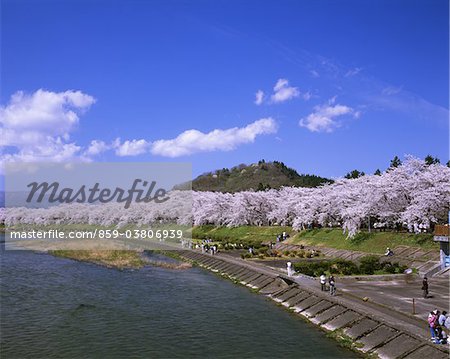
258 176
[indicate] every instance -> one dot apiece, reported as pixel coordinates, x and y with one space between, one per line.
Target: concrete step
298 298
397 347
317 308
342 320
427 352
375 338
360 328
305 304
273 285
328 314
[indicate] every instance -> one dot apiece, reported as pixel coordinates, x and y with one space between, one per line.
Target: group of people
282 237
439 323
207 248
331 283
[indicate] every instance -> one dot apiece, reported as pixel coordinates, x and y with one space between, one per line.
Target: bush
369 264
341 266
313 269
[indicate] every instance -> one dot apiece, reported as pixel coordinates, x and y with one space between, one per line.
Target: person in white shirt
323 282
289 268
442 318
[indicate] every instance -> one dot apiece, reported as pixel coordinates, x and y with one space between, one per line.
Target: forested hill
258 176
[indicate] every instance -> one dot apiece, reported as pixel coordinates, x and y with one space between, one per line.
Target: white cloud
53 150
323 119
28 119
194 141
314 73
37 126
131 148
283 92
96 147
353 72
259 97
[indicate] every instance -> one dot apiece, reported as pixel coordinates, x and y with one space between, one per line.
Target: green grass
243 233
120 259
375 242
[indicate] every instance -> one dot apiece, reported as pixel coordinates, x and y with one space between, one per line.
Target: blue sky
347 84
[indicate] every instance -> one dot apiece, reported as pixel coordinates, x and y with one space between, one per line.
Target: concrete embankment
370 334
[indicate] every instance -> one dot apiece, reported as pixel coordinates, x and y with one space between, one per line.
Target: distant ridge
258 176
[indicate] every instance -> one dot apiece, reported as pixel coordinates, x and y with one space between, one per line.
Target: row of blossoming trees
413 196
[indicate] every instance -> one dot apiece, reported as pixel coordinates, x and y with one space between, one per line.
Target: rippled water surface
53 307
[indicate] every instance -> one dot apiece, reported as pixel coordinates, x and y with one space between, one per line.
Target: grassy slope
375 242
247 233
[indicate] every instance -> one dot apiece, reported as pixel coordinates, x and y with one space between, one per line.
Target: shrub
313 269
391 268
341 266
369 264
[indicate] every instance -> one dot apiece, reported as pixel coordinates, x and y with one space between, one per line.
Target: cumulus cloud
54 150
38 125
283 92
259 97
194 141
96 147
28 119
323 119
131 148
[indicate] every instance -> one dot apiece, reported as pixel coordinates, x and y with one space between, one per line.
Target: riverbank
119 259
366 328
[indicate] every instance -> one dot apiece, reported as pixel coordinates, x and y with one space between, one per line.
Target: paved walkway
375 328
398 294
387 299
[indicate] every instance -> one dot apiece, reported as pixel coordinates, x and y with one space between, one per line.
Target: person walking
289 268
425 287
332 284
323 282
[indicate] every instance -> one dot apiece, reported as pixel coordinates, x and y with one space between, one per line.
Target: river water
59 308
